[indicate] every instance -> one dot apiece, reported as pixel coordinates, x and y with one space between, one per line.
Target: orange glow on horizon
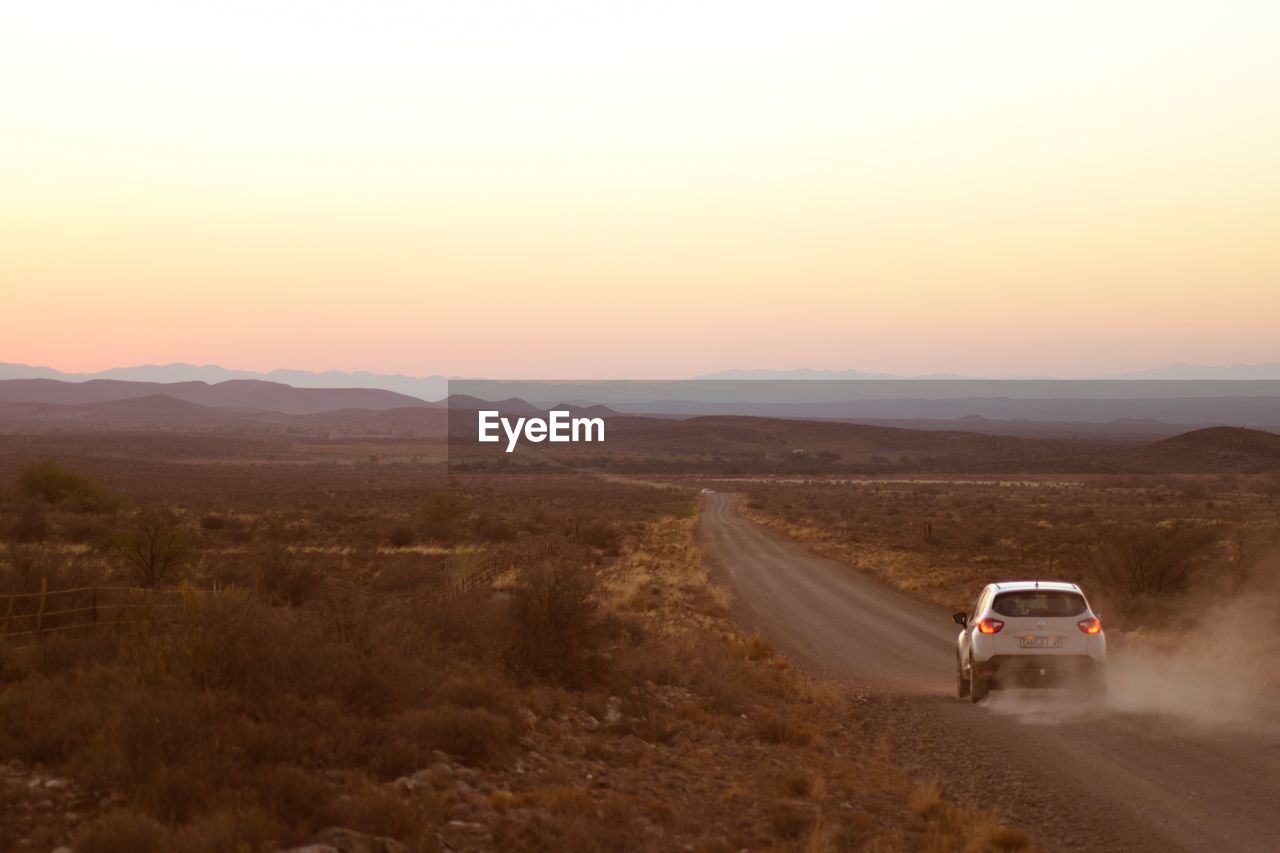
581 190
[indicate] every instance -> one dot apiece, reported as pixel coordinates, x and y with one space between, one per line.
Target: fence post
44 591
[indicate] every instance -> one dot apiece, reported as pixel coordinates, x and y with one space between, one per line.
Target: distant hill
510 406
752 441
1208 451
435 387
153 411
237 394
422 387
800 373
732 442
580 411
1270 370
160 412
745 443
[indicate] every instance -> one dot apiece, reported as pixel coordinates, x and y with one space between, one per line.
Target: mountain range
422 387
243 394
1270 370
258 407
435 387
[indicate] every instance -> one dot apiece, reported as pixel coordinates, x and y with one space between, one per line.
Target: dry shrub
774 728
89 530
491 528
758 648
54 483
401 536
926 799
790 820
245 828
30 524
214 522
124 831
27 565
797 785
378 811
570 818
558 632
46 721
401 575
296 795
154 547
472 735
945 826
600 535
442 513
718 672
1140 562
566 800
286 580
474 688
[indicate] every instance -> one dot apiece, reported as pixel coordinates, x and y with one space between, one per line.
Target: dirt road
1073 776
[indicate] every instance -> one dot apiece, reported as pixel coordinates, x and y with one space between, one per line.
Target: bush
30 525
472 735
401 536
601 536
1145 561
88 530
284 580
155 548
772 728
57 484
558 631
214 522
29 563
490 528
441 513
124 831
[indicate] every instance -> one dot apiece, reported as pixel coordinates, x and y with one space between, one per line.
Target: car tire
962 683
977 684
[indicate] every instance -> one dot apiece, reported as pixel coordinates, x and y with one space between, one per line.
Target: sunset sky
605 189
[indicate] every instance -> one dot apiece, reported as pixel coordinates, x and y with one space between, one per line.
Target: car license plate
1040 642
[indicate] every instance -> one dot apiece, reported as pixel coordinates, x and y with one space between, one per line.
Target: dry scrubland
1151 549
486 663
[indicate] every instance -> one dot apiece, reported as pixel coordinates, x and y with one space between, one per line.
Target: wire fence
27 615
30 615
464 577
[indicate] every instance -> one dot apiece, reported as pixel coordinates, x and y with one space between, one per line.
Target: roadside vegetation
1146 546
370 654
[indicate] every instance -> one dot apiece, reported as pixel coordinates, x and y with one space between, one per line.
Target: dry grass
944 540
596 696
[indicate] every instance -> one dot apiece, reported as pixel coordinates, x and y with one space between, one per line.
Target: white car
1030 634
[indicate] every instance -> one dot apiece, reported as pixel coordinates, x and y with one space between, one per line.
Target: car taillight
990 626
1090 626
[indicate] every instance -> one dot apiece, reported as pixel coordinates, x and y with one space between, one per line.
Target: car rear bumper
989 647
1038 670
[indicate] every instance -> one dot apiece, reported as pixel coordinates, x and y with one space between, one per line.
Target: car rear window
1038 603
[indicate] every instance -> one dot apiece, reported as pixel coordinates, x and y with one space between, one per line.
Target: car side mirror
960 619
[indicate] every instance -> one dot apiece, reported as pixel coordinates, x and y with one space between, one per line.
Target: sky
631 190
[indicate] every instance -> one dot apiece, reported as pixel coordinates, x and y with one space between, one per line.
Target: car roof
1007 586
